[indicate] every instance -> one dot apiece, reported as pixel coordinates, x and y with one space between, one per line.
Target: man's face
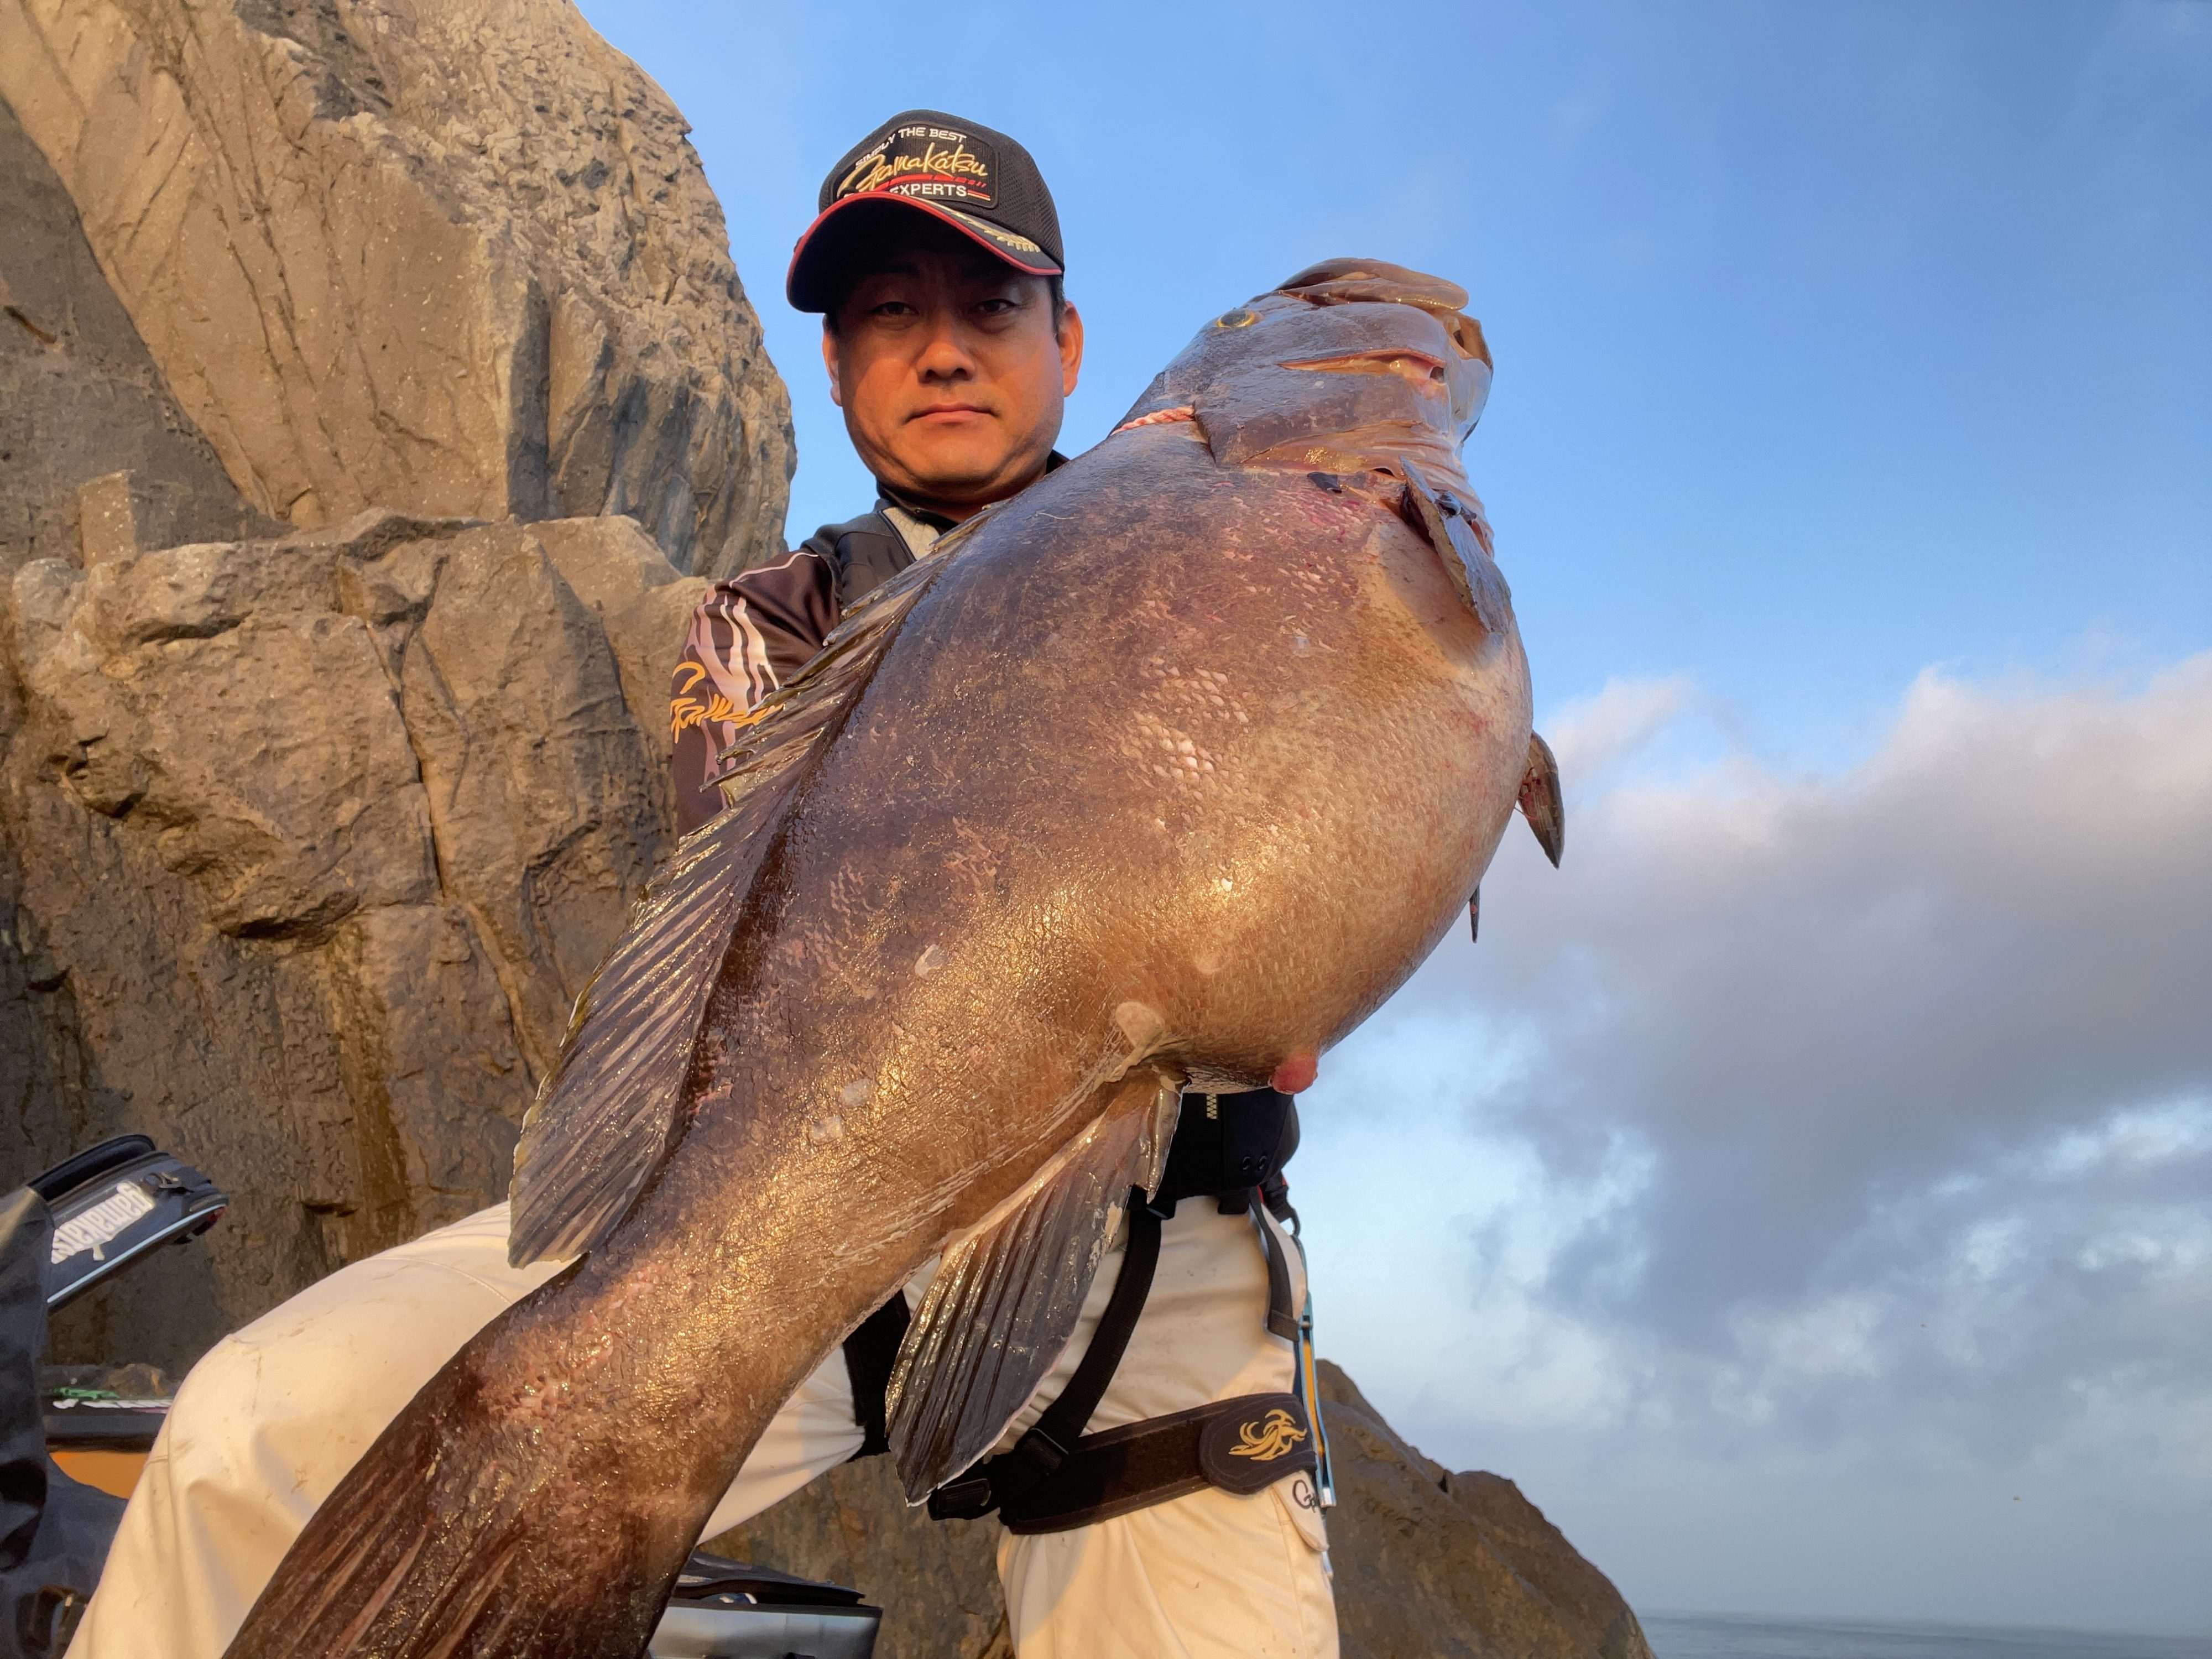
951 373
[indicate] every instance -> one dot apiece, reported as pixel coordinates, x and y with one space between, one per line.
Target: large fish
1168 771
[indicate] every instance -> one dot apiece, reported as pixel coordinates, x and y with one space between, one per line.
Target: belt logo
1270 1437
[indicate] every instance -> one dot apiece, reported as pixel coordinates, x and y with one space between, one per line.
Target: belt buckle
970 1498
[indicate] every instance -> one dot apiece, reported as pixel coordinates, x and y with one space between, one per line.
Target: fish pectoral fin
613 1107
1008 1292
1451 526
1541 802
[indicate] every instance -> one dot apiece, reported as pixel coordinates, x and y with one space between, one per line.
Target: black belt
1242 1446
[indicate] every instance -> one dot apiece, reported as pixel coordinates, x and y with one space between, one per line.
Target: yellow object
1275 1435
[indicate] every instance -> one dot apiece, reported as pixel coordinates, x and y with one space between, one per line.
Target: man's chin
962 481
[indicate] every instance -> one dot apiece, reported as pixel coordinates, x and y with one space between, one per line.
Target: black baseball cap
979 182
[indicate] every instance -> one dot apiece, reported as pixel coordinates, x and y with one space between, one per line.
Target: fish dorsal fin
1009 1292
611 1110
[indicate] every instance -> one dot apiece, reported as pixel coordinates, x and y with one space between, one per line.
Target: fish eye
1239 318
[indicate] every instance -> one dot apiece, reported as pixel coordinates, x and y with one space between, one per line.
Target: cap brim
806 284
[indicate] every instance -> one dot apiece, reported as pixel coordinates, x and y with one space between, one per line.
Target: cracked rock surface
455 259
80 396
306 846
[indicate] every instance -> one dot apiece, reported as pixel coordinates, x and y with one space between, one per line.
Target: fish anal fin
612 1108
1540 801
1009 1293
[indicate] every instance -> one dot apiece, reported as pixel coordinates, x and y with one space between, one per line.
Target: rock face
1429 1564
307 840
80 398
308 846
452 260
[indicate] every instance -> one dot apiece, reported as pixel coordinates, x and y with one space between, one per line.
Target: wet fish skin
1176 770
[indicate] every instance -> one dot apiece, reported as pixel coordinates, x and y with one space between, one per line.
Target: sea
1752 1635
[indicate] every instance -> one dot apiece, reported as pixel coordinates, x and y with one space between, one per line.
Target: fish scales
1171 770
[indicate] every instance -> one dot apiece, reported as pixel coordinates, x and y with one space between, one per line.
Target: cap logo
929 163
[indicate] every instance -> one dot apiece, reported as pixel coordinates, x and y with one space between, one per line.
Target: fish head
1367 377
1346 363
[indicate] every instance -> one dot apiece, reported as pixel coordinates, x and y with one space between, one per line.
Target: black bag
54 1531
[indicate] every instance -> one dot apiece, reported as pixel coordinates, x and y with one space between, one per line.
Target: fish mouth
1416 369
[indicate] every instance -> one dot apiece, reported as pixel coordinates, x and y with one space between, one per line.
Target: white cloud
1859 1121
1591 735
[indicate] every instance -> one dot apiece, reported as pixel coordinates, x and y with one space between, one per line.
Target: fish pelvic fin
1009 1292
1540 801
613 1107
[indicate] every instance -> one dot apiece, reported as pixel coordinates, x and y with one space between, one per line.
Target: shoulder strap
1282 1319
870 1354
862 553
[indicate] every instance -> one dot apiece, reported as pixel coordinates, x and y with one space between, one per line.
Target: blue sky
1851 456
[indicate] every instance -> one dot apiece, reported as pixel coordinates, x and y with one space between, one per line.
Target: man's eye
995 307
894 308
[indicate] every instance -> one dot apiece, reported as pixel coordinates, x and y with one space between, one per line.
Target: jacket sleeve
749 636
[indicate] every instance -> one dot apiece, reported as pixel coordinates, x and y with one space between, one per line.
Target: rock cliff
1456 1566
307 839
454 260
310 843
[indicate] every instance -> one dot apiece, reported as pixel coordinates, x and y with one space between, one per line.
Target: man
935 262
950 347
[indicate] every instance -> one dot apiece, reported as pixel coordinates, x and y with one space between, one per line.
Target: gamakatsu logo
953 165
1270 1437
102 1222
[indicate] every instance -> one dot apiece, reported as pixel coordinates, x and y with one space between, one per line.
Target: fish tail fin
436 1545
